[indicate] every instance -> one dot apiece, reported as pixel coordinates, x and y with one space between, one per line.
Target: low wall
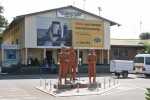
100 68
52 70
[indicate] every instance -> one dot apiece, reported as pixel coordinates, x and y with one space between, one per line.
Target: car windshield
139 60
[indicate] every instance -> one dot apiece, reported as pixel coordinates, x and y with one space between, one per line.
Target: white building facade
41 35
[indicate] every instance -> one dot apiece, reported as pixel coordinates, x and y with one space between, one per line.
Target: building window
147 61
115 52
123 52
120 53
11 54
17 41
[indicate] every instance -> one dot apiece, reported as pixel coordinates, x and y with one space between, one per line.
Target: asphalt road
23 88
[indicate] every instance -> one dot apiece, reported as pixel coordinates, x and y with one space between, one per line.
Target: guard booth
10 55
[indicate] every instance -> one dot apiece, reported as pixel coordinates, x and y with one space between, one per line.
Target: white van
121 67
142 64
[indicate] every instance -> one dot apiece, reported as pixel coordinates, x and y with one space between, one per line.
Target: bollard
114 82
77 87
100 85
104 83
40 82
109 82
97 86
117 81
45 84
50 85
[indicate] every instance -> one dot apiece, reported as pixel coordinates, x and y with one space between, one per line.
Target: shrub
147 94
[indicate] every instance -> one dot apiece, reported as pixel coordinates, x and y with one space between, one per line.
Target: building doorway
49 58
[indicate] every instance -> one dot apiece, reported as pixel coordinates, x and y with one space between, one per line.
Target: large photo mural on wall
53 32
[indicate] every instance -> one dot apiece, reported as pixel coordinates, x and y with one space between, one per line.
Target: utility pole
84 2
99 10
74 3
140 26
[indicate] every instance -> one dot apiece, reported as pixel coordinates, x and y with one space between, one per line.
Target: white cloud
125 12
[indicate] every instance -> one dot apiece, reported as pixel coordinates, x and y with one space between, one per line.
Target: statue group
68 63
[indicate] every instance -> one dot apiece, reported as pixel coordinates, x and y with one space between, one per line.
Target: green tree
147 47
147 94
145 35
3 21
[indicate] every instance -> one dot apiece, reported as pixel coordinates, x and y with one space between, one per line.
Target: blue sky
128 13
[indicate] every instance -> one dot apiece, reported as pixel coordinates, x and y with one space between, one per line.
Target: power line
141 25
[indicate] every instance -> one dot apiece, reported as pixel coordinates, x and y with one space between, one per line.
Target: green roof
128 42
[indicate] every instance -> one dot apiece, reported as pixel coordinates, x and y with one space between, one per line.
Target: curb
76 94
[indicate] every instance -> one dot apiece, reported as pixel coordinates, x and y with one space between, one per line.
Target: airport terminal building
40 36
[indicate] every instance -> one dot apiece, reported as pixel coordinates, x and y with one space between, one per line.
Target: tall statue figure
91 60
62 65
73 63
68 63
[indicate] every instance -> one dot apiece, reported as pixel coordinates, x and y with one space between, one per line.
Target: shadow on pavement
46 76
126 78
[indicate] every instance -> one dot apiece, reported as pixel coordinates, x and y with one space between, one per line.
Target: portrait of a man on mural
53 32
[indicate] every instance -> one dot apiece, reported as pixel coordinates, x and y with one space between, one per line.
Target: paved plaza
23 88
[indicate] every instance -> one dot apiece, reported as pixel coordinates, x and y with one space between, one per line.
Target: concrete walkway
103 85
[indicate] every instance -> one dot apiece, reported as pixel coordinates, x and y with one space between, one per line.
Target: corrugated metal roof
128 42
70 6
18 18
